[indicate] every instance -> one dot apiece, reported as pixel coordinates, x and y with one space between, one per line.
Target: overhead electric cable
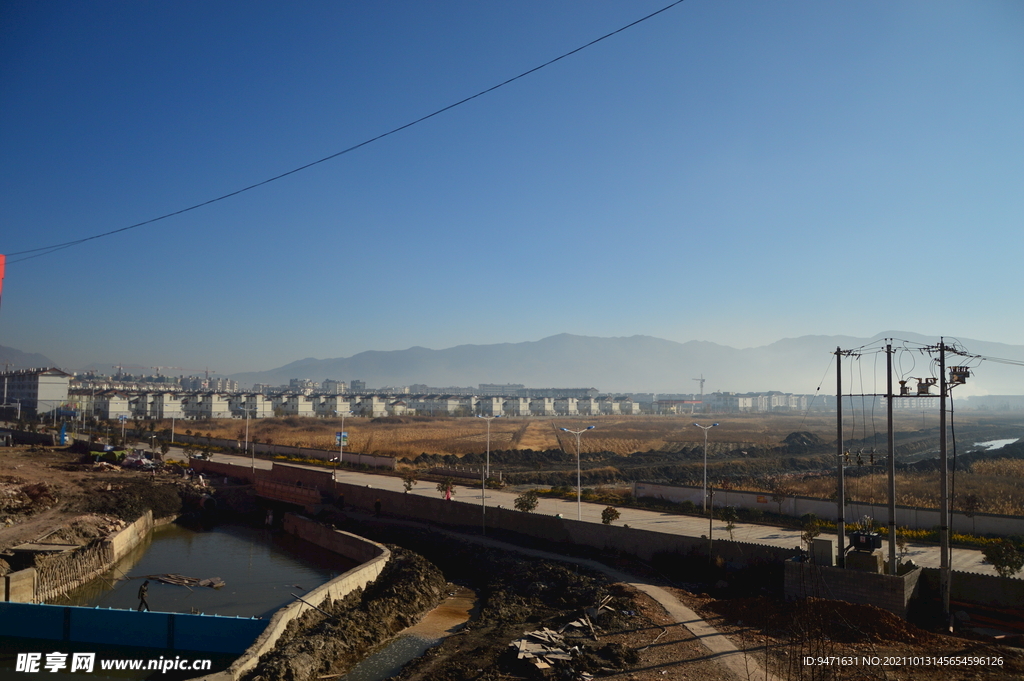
45 250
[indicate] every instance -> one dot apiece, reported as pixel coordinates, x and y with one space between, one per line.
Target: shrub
527 501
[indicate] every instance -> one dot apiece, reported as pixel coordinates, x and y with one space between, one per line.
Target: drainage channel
262 570
439 623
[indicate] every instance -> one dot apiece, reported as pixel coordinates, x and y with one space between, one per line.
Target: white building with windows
38 391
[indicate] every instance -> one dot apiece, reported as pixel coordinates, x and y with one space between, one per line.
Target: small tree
901 543
527 501
1005 557
779 495
408 480
810 531
609 515
971 505
165 448
730 516
447 488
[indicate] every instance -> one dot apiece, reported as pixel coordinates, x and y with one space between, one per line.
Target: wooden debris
182 580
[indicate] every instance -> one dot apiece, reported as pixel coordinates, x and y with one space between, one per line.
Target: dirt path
538 436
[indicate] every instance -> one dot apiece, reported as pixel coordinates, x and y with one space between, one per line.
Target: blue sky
736 172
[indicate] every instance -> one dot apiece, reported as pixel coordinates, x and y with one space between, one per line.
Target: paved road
964 560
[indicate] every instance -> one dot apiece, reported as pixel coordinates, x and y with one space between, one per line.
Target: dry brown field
998 484
616 434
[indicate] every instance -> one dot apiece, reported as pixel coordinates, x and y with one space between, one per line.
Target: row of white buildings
116 404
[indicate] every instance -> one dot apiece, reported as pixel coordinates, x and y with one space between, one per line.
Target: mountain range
648 364
13 359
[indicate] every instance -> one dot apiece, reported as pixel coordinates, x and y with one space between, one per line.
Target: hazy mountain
645 364
23 360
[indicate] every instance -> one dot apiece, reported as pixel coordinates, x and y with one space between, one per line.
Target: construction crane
701 379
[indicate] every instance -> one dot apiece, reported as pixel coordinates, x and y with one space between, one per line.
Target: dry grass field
623 435
743 448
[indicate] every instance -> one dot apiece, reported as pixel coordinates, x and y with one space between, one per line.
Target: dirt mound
27 498
803 442
839 621
315 645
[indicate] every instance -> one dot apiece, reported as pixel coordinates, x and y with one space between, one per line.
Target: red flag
3 261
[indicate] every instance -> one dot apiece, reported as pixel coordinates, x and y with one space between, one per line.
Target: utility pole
944 486
841 483
892 461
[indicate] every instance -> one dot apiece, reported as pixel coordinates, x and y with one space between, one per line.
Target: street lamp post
341 445
247 410
486 472
705 429
579 487
487 469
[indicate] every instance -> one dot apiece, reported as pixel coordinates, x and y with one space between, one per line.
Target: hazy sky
736 172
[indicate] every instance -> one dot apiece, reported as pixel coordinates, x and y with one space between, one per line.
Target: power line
46 250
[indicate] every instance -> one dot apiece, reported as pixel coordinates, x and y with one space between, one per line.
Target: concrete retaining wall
61 573
906 516
20 586
642 543
969 587
889 592
24 437
372 555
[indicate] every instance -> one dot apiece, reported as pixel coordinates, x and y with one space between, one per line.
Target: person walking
376 508
143 593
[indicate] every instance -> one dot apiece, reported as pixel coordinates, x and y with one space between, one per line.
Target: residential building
542 406
516 406
489 406
166 406
38 391
566 406
111 405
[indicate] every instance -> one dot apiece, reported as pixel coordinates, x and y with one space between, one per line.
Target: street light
487 469
341 444
579 487
486 472
252 466
705 429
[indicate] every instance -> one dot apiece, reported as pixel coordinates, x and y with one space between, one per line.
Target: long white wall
906 516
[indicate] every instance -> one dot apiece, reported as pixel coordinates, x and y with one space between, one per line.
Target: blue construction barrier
167 630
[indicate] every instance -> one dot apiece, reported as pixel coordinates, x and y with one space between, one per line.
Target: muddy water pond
410 643
261 569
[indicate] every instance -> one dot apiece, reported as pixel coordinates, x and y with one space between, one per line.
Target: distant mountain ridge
16 359
640 364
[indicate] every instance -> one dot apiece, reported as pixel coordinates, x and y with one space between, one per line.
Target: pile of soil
50 492
316 644
839 621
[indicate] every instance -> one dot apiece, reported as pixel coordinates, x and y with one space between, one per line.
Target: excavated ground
48 493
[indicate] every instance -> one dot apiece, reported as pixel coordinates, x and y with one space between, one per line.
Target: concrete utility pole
944 576
892 462
841 484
